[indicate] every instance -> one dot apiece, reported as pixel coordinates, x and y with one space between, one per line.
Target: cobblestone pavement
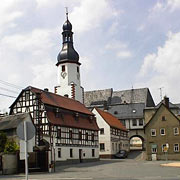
107 170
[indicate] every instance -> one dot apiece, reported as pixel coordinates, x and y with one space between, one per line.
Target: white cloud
169 5
124 54
93 12
120 49
164 67
25 60
38 39
8 13
44 75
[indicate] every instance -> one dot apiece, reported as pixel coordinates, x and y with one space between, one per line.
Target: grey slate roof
97 98
12 121
127 111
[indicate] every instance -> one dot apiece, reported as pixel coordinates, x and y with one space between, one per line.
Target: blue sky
121 44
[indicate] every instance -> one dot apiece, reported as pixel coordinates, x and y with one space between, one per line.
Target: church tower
68 65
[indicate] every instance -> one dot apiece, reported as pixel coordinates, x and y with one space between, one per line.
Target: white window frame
134 120
164 132
152 150
153 130
142 122
176 150
176 133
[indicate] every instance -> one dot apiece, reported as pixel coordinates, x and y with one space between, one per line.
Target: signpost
26 131
166 150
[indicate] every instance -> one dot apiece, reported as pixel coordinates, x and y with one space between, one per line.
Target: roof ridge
131 89
53 93
101 112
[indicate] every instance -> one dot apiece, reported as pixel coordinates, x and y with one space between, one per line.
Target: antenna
66 12
160 89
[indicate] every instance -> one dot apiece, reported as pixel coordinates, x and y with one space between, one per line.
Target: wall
103 138
169 137
72 76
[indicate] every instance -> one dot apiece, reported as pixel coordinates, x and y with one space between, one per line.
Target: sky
122 45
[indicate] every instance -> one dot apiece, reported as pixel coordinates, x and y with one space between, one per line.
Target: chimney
105 106
166 101
46 89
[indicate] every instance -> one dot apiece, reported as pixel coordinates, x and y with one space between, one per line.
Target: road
115 169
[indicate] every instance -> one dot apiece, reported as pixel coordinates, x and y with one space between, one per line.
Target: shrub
11 147
3 140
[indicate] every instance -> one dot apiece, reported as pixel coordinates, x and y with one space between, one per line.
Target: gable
170 118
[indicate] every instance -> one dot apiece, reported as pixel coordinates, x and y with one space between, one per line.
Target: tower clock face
63 74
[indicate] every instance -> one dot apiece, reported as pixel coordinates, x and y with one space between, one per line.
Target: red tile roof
61 101
111 120
69 120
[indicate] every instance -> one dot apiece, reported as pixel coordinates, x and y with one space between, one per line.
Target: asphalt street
115 169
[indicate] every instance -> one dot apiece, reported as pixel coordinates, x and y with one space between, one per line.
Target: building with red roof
113 135
65 129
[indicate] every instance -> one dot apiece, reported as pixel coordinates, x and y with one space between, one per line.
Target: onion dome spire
68 53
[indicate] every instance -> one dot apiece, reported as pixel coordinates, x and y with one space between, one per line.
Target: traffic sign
30 130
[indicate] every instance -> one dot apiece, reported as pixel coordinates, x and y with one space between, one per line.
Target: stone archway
137 142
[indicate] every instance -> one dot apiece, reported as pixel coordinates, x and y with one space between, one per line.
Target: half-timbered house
64 126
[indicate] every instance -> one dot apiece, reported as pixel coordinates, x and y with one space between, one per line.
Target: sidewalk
174 164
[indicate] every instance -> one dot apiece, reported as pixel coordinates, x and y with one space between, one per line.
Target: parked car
121 154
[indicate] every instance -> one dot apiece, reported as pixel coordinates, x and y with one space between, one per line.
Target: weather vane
66 12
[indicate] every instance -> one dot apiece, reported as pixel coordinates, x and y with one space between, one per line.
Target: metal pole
26 155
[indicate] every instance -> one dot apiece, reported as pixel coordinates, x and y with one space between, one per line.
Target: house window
59 152
176 147
70 134
102 147
163 118
63 68
154 148
86 136
93 152
77 69
162 131
80 135
153 132
140 122
134 122
59 133
176 131
92 137
102 131
113 146
123 122
71 153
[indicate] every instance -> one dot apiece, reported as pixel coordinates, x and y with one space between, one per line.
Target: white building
68 65
113 136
